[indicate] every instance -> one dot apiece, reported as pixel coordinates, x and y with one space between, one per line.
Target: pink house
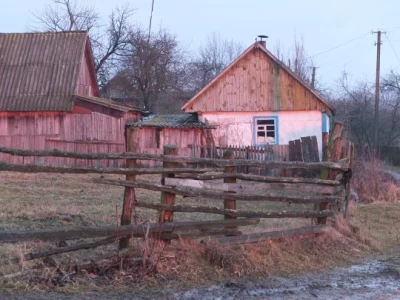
257 100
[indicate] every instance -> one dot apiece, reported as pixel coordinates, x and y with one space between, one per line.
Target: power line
338 46
390 43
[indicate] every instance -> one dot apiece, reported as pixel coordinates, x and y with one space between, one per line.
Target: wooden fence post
332 154
350 153
168 198
129 193
229 204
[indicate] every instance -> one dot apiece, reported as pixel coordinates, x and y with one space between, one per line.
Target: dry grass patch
54 201
373 184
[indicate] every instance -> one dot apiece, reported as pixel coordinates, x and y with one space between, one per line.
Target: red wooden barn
49 98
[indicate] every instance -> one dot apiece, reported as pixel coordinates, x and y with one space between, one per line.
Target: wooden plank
252 187
315 151
34 168
129 192
272 235
192 192
228 203
109 240
168 197
305 149
257 178
76 247
292 149
181 159
350 154
235 213
134 230
332 153
298 155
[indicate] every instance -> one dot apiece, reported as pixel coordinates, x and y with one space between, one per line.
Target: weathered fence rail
182 159
217 179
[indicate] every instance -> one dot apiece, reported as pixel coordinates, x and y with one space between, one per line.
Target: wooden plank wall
256 83
184 138
93 132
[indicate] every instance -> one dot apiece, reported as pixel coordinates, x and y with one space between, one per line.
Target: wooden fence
323 196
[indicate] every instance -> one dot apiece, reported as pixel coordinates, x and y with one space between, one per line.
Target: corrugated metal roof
38 71
170 121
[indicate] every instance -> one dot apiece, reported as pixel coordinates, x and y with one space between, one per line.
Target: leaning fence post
229 204
350 154
168 198
129 193
332 154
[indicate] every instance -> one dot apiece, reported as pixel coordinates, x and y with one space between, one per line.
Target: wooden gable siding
256 83
86 84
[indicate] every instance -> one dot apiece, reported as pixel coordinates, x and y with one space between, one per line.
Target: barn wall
237 128
92 132
256 83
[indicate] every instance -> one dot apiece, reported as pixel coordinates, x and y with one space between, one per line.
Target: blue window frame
265 130
325 122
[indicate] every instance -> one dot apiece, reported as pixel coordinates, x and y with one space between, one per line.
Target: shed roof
170 121
39 71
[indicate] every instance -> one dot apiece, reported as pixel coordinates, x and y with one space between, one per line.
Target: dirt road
374 279
371 280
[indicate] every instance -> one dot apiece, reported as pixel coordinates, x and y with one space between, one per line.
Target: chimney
261 41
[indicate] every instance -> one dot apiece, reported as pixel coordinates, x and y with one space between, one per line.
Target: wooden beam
134 230
76 247
332 154
109 240
192 192
258 178
235 213
252 187
229 203
129 192
272 235
167 197
130 171
350 154
180 159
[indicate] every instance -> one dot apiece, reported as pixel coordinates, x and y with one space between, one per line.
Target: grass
41 201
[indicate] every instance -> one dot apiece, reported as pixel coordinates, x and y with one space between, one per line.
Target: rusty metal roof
38 71
170 121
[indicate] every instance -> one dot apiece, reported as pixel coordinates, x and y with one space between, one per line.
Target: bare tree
212 58
108 40
355 107
390 110
151 70
296 59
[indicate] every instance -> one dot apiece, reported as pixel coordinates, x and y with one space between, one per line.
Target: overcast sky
324 24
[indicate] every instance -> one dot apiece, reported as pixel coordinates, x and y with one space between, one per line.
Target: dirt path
371 280
374 279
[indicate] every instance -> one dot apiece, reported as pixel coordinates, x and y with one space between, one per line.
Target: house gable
257 81
86 82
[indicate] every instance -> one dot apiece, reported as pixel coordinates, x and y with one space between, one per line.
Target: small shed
49 99
184 130
258 101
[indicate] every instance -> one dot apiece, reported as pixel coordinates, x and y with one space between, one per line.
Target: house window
266 130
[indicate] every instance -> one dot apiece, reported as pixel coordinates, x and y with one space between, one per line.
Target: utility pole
377 82
313 77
